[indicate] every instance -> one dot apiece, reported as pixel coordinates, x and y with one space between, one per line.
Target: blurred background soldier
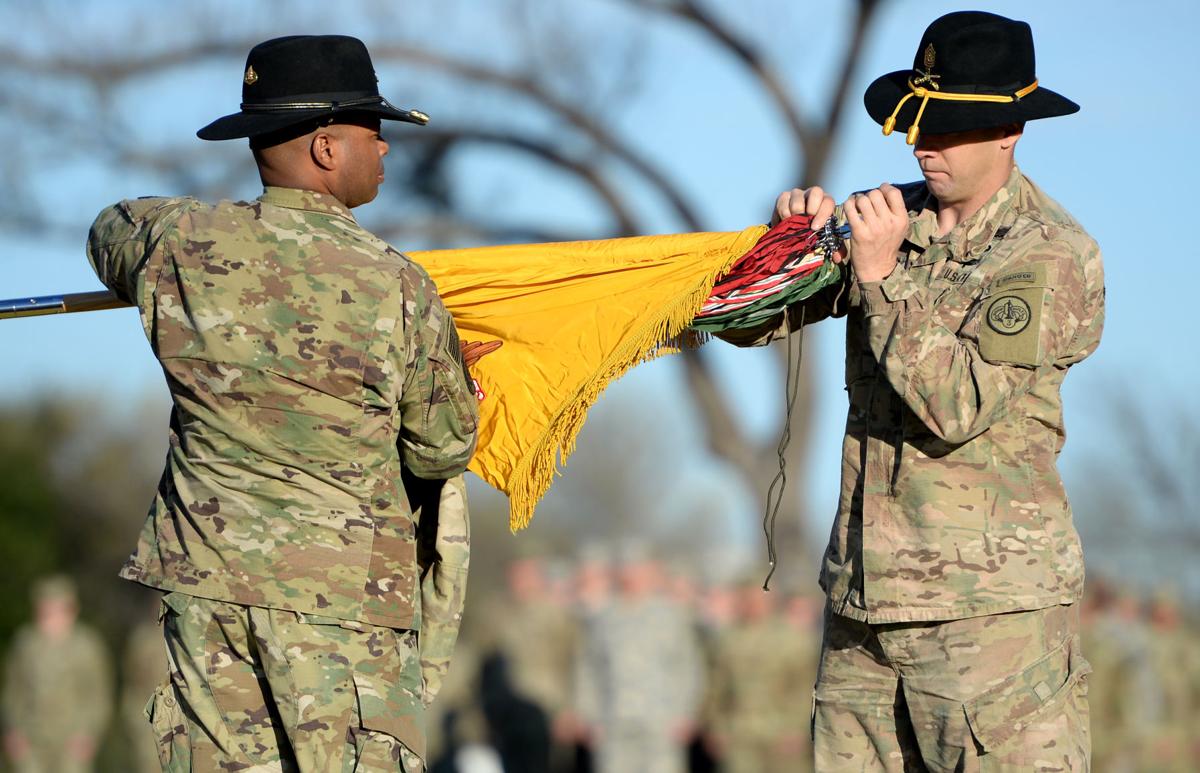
1175 662
1121 691
763 677
57 688
538 639
143 664
529 638
641 676
591 593
714 612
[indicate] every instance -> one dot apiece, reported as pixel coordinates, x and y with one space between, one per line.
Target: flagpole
66 303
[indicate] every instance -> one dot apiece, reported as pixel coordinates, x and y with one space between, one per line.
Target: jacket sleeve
439 413
444 552
959 382
125 236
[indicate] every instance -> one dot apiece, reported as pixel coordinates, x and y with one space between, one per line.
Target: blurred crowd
629 666
606 665
1144 691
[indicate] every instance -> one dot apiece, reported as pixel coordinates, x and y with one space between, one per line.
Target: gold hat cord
934 92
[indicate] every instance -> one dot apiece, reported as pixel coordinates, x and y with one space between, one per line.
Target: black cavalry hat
292 80
973 70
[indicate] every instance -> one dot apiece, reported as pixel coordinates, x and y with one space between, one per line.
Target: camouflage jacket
308 362
951 505
57 689
762 678
640 663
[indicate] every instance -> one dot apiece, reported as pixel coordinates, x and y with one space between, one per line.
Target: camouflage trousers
997 693
258 690
777 753
627 746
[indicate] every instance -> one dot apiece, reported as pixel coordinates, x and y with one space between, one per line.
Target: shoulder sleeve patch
1011 329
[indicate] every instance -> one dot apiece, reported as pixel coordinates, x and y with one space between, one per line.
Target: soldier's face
361 165
55 617
958 165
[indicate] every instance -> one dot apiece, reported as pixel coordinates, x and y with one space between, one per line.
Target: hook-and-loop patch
1011 328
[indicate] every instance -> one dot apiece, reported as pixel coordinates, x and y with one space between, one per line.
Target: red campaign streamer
785 253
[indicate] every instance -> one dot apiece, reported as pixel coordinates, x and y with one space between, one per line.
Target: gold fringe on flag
574 317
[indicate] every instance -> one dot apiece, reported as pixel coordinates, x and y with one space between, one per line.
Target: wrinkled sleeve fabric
439 414
444 554
948 378
123 239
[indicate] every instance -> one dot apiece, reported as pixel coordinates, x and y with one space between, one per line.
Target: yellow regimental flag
573 317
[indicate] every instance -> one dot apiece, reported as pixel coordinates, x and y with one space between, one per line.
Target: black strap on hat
331 104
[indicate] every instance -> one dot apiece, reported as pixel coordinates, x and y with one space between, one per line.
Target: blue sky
1124 166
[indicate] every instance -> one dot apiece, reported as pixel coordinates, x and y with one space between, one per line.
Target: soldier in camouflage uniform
57 687
1175 663
1122 692
538 638
762 679
639 677
311 366
144 663
951 633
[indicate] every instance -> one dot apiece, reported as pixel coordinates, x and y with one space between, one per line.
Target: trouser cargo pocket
384 739
1039 692
170 729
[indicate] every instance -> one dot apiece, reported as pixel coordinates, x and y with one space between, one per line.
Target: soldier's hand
799 201
683 730
566 728
878 223
812 201
790 745
716 743
81 747
473 351
16 745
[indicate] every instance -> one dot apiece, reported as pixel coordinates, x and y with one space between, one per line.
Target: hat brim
943 116
252 124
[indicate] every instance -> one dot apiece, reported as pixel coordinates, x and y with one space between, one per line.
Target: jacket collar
967 240
309 201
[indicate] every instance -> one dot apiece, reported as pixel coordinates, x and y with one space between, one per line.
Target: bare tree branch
625 224
692 12
818 147
580 119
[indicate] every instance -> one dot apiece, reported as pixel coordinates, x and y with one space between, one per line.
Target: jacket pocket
1000 713
170 729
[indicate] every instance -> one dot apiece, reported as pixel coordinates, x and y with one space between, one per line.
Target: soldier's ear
322 150
1012 133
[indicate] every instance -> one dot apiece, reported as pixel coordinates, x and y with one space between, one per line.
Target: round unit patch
1008 315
